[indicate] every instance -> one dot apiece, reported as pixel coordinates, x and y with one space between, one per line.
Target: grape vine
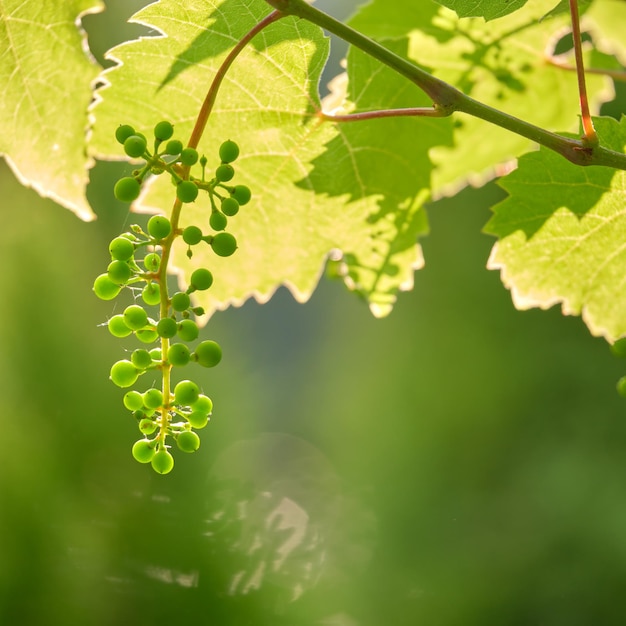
168 411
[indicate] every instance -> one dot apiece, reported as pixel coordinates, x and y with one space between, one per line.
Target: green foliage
489 9
561 235
46 80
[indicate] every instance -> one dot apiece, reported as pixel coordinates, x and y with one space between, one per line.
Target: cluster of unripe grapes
137 265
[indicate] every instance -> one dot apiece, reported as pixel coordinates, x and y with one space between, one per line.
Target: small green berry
143 451
178 354
201 279
230 206
124 373
123 132
229 151
189 156
186 393
133 400
159 227
188 330
180 301
166 327
241 193
224 244
163 131
151 294
105 288
121 249
192 235
135 146
224 172
173 147
186 191
127 189
207 353
118 327
218 221
162 462
135 317
188 441
153 399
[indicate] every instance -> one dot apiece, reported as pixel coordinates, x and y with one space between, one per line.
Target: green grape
189 156
152 262
621 386
155 354
173 146
135 317
229 151
162 462
188 441
186 191
218 221
123 132
223 244
147 426
163 131
180 301
141 358
121 249
203 404
198 419
201 279
153 399
127 189
105 288
151 294
192 235
241 193
147 335
178 354
224 172
230 206
124 374
186 393
143 450
117 326
119 272
188 330
166 327
133 401
207 354
135 146
159 227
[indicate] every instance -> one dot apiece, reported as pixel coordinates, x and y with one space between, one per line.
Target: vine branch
447 99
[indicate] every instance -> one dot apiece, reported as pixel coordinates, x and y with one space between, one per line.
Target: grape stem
209 100
590 135
447 99
166 247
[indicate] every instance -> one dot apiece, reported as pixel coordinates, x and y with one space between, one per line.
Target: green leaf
489 9
46 80
605 21
319 189
562 234
503 64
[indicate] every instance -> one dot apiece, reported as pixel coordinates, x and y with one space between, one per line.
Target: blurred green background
458 463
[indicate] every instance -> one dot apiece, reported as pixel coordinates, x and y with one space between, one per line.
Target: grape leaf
46 88
489 9
605 21
502 64
561 235
317 188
